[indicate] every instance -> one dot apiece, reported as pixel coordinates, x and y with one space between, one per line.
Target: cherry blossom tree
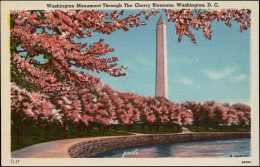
88 114
26 106
179 115
118 110
173 114
50 34
243 113
185 116
228 115
208 112
130 109
231 118
186 19
163 106
154 107
146 115
70 107
89 100
219 113
196 109
104 111
174 118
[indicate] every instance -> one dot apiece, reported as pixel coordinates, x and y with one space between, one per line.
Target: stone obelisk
161 60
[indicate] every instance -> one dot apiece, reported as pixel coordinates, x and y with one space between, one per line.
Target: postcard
127 83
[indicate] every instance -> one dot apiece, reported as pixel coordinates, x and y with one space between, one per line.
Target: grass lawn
35 135
221 129
138 129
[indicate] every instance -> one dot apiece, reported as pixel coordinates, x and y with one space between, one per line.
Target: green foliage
12 24
18 79
14 44
143 119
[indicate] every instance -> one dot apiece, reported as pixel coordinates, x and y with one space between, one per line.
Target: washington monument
161 60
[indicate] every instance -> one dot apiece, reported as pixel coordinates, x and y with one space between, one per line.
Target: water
218 148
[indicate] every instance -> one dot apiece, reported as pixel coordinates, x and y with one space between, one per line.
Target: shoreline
85 147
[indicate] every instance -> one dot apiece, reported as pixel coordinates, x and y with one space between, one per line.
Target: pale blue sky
211 70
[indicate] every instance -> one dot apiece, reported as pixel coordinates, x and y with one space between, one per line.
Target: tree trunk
169 127
88 130
20 131
157 128
216 125
65 130
115 128
165 128
79 129
129 127
84 130
197 125
91 130
20 138
57 130
20 135
206 124
48 127
104 130
178 128
149 127
143 128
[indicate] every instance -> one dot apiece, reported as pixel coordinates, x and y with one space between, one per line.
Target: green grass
35 135
220 129
138 129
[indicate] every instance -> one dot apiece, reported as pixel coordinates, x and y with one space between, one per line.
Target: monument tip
161 21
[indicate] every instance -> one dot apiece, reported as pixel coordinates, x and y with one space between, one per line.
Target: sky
217 69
